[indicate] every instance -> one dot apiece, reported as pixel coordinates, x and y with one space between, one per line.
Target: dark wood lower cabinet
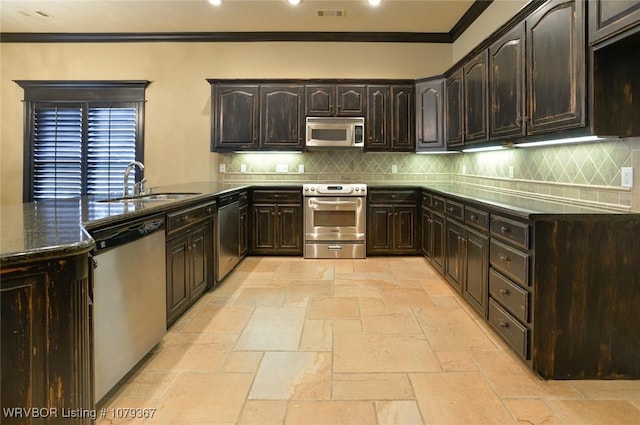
454 264
277 222
244 230
475 283
189 268
46 335
392 230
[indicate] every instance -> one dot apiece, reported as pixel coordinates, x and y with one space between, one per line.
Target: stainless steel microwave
327 132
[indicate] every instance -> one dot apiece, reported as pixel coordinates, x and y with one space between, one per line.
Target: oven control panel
334 189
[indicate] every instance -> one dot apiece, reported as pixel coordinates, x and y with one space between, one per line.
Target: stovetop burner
334 189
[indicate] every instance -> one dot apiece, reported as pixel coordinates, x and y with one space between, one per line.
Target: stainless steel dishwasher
228 240
129 296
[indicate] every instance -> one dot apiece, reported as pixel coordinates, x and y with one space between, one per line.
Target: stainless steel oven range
334 220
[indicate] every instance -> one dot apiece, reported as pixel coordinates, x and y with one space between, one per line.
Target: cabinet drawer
516 335
393 196
509 295
277 196
426 200
510 262
243 197
437 204
454 209
514 231
476 218
183 218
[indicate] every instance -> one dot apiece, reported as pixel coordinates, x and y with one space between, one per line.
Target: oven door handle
313 201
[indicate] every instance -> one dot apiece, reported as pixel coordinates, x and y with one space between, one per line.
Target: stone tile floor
377 341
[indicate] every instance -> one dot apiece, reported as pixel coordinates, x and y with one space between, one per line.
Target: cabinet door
289 232
455 135
178 265
405 229
377 123
379 229
282 117
475 288
608 17
454 259
402 120
430 115
244 230
438 241
320 100
426 232
476 101
350 100
235 117
556 67
201 260
506 85
263 237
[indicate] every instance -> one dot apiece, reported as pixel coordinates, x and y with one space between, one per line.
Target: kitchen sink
153 197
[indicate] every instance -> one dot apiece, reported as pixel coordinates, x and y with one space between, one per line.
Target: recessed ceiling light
374 3
215 2
294 2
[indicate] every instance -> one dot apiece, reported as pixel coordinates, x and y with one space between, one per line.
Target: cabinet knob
505 229
504 292
209 210
503 325
452 209
183 218
504 258
473 217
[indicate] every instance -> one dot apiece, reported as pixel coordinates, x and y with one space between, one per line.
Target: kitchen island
571 269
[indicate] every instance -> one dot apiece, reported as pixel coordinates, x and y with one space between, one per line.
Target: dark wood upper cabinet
402 119
556 66
282 117
235 117
350 100
341 100
320 100
455 115
609 18
506 85
430 115
476 101
377 121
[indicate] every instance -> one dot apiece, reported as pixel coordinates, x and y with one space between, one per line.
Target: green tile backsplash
582 173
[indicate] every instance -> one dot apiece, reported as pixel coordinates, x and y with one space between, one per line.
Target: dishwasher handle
118 235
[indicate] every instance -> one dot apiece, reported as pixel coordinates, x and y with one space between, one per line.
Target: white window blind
57 152
111 146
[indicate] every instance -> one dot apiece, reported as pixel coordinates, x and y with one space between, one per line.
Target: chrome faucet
132 164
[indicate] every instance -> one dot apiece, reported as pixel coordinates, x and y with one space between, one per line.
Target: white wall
499 12
177 122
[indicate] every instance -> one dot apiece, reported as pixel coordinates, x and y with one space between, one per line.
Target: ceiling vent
330 13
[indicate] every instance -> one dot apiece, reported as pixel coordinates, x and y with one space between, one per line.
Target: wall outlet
222 168
301 168
394 169
511 171
243 168
464 169
282 168
627 177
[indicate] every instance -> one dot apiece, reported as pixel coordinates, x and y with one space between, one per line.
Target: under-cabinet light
559 141
267 152
437 152
374 3
215 2
484 149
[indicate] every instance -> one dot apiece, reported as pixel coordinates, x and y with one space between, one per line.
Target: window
80 136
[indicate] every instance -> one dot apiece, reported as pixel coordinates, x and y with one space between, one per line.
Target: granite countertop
55 228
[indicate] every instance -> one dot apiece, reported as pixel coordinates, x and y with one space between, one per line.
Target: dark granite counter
47 229
518 205
56 228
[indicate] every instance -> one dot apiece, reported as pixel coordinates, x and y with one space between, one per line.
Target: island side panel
587 297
